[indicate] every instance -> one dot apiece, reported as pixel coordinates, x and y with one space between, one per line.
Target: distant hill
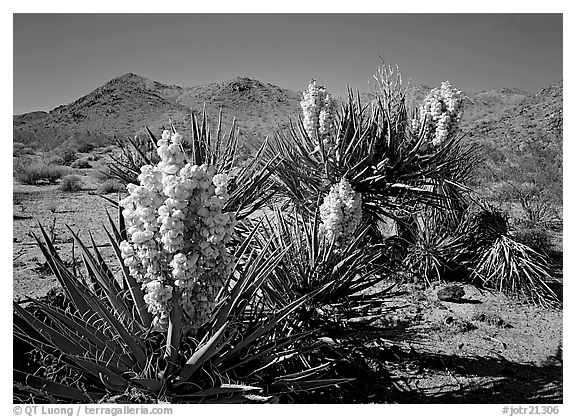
127 104
523 140
516 128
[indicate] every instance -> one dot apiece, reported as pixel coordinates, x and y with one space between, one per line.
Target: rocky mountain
522 141
516 128
129 103
517 118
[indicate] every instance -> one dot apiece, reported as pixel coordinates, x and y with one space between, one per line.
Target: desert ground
487 349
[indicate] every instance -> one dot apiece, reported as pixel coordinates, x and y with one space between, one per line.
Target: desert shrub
17 148
85 147
40 173
536 238
537 209
81 164
108 149
102 173
111 186
55 160
67 154
27 151
71 183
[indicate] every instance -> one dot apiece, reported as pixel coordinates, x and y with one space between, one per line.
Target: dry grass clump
40 173
71 183
81 164
111 186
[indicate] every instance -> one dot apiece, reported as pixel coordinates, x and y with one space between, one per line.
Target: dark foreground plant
105 339
334 275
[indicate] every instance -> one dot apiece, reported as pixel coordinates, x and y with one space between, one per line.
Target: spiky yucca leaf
249 183
102 338
515 269
314 265
393 168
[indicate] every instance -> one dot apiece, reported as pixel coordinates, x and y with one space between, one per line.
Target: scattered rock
452 293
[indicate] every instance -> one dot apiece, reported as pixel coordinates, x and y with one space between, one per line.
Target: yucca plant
515 269
496 260
104 336
425 258
337 275
249 186
480 250
375 147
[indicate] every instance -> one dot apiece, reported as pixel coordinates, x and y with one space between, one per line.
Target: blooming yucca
341 213
440 113
178 234
318 110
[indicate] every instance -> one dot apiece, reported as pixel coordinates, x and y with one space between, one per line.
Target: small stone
452 293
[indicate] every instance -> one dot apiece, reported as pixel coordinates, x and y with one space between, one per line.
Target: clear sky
58 58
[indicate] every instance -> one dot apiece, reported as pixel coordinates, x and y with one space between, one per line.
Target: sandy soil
489 349
82 211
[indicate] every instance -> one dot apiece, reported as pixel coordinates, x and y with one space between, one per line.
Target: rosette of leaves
498 261
480 249
391 165
103 335
334 275
249 186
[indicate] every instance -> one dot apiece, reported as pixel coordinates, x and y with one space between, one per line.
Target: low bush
81 164
102 173
108 149
40 173
68 155
55 160
17 148
111 186
27 151
536 238
71 183
85 147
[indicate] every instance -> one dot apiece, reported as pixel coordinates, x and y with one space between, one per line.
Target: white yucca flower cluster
341 213
441 111
178 234
318 109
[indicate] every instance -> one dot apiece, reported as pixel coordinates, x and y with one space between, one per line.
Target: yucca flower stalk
178 234
340 213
